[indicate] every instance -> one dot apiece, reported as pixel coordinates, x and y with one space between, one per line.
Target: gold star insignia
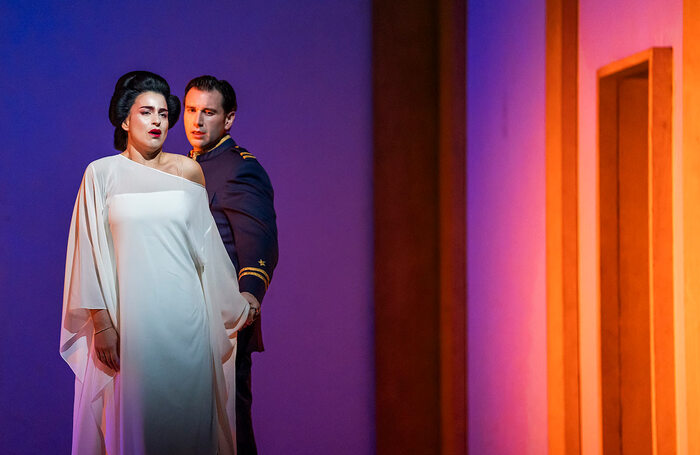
262 263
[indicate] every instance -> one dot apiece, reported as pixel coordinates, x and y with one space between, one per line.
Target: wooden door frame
658 62
691 221
561 142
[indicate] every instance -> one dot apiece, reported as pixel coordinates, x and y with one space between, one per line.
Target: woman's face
147 123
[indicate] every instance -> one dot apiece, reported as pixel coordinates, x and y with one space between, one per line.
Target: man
241 201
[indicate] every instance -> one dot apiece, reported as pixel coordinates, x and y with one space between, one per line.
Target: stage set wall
302 71
507 369
507 355
507 344
610 30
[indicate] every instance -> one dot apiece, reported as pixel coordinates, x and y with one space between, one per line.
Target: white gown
144 246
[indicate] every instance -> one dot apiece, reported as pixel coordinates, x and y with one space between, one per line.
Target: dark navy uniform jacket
241 201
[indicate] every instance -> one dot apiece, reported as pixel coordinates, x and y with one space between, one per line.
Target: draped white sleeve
89 284
90 276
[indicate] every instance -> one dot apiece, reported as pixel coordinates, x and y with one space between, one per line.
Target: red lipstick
155 132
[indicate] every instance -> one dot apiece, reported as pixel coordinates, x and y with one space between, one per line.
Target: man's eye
209 113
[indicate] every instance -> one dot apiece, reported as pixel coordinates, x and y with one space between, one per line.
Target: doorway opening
636 265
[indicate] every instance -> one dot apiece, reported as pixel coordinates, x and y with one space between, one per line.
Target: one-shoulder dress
144 246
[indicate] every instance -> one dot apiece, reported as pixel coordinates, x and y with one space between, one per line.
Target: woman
151 302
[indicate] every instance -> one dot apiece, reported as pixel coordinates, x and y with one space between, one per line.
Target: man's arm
248 203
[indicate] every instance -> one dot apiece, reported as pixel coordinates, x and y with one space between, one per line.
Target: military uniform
241 201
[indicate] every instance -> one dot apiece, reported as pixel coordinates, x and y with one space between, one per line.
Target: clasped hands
254 312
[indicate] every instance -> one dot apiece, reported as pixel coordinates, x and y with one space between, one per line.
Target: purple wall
302 73
506 228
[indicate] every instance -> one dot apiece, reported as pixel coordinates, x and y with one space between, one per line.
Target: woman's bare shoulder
191 170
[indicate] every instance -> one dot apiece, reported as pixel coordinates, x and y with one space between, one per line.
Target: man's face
205 119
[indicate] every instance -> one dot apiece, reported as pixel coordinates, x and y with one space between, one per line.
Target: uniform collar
222 145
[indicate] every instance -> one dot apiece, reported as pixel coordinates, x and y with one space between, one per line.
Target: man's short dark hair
208 83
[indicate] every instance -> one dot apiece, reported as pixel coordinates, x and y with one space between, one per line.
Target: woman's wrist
103 329
100 320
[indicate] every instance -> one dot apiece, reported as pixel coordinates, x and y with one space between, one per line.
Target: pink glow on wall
506 228
610 30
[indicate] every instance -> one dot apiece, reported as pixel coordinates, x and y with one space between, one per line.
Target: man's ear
228 120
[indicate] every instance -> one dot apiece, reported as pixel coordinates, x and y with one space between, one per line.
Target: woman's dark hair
210 83
128 87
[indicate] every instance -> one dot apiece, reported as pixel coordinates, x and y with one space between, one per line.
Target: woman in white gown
151 303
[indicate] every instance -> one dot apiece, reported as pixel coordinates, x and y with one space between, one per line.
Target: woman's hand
107 347
106 339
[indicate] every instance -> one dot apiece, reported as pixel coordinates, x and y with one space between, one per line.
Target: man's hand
254 312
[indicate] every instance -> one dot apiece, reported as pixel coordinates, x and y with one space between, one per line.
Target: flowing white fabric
144 246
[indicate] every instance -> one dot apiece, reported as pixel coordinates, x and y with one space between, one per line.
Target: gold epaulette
245 154
256 272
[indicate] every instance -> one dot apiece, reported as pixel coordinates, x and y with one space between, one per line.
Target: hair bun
113 111
124 82
172 99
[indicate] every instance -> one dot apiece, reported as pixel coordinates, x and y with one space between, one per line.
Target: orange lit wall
507 369
610 30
